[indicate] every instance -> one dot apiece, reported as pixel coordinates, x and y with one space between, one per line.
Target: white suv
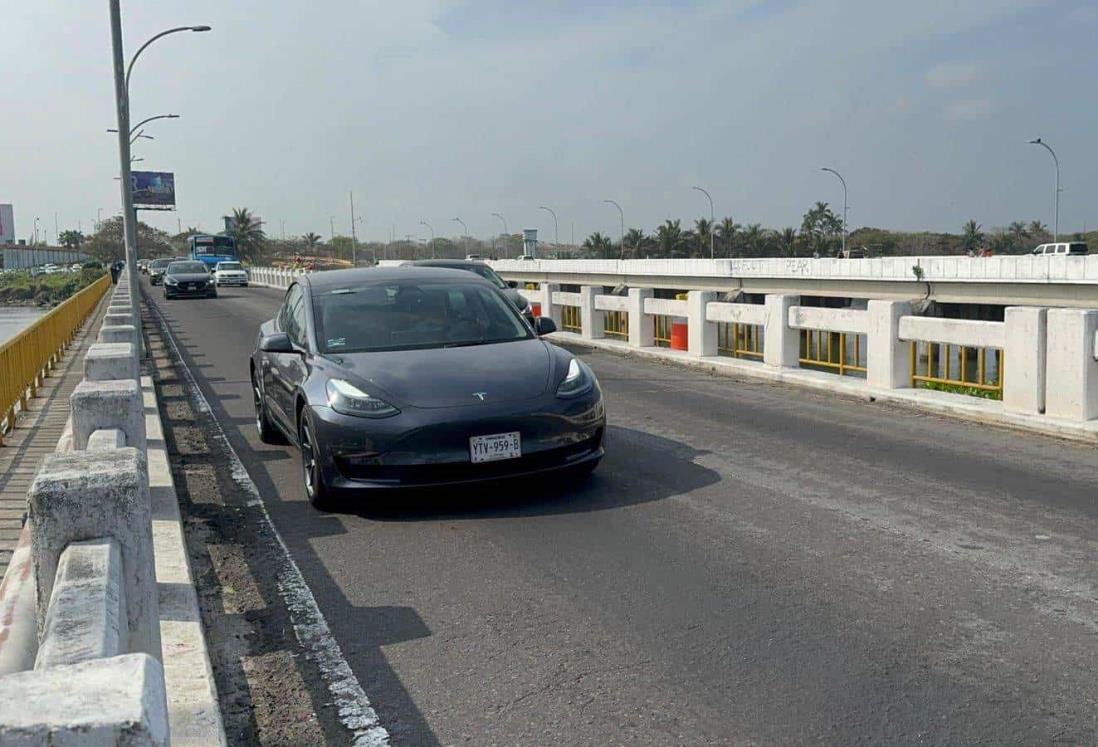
230 273
1062 248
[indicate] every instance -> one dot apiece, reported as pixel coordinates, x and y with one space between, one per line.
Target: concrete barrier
92 495
115 701
118 333
106 361
100 405
86 615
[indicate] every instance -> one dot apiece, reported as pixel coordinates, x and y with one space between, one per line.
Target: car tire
268 431
316 491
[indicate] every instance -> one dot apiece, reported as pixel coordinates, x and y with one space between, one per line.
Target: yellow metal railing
570 319
737 340
840 352
29 356
955 368
616 324
662 330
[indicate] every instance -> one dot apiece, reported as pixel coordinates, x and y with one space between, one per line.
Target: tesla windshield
411 315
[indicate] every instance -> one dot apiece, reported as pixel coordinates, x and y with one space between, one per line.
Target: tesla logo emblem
480 395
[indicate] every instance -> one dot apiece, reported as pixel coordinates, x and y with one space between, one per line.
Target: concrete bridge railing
1044 359
84 661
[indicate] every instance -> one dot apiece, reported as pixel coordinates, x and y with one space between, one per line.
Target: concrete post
641 332
1072 384
888 360
592 321
1024 360
702 334
86 495
548 308
118 333
113 320
781 343
101 405
116 701
107 361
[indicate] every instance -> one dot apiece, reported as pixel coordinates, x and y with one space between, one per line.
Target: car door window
295 316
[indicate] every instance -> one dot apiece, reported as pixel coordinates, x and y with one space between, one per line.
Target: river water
14 319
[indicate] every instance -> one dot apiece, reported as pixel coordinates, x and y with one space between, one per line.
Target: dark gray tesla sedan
413 377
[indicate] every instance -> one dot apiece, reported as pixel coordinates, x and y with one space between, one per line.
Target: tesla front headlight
347 399
578 380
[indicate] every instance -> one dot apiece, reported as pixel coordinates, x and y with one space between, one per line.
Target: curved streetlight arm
176 30
150 119
1056 161
621 214
712 220
836 173
503 221
556 226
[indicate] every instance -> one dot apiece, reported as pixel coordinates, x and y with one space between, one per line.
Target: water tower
530 242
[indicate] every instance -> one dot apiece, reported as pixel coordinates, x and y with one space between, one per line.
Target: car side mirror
543 325
512 284
278 342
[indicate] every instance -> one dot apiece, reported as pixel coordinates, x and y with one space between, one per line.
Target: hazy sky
435 109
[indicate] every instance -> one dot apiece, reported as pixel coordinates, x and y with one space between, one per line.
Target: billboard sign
7 224
154 188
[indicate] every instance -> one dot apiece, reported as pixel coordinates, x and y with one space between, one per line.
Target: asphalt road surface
751 564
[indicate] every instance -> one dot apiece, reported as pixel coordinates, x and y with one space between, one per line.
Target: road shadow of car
639 467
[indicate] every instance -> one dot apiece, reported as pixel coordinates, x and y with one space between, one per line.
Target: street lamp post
36 230
836 173
122 74
1055 160
503 220
621 215
425 223
712 219
556 228
466 229
354 235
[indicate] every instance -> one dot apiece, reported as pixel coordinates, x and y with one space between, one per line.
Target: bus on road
212 249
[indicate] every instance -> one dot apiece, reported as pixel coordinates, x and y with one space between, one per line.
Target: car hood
450 377
190 277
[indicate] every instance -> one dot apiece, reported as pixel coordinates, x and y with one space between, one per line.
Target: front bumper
238 280
427 448
194 292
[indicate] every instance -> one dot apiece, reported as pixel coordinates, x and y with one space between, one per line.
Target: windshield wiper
466 344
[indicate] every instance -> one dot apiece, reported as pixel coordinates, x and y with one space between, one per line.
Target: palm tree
1018 230
752 239
248 232
787 241
70 239
598 244
703 229
311 239
669 239
634 238
972 238
727 231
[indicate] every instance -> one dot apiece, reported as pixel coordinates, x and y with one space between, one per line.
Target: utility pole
354 236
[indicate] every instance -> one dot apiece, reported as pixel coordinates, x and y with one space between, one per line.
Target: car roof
460 263
331 279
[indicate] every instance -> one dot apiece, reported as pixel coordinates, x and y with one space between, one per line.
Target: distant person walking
116 270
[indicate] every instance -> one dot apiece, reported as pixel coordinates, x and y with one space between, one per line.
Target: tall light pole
836 173
503 220
98 219
621 215
425 223
1055 160
354 235
332 226
122 74
712 220
36 230
556 229
466 229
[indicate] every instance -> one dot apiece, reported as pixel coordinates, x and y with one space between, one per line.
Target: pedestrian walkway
36 434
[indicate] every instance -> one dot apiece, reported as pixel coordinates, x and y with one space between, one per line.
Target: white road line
310 627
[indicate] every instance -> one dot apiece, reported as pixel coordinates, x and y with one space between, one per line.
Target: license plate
495 447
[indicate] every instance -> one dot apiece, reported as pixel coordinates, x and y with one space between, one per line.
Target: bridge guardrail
29 356
99 667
